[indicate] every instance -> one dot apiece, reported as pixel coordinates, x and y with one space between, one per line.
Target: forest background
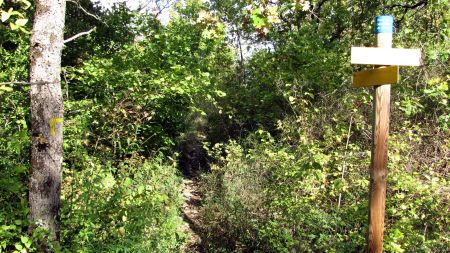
278 140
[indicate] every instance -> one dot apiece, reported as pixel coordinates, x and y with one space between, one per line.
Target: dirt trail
191 205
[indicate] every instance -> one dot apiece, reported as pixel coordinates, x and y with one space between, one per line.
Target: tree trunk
46 45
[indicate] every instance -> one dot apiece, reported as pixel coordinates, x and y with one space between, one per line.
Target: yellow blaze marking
53 122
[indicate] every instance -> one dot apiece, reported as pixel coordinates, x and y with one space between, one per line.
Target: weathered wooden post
378 166
381 78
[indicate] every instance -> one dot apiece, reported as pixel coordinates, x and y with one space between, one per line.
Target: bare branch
27 83
79 35
86 12
316 10
14 83
162 6
408 6
158 6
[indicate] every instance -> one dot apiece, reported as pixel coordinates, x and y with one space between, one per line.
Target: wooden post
378 167
383 55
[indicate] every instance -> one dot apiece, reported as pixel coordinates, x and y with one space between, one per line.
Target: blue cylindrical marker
384 24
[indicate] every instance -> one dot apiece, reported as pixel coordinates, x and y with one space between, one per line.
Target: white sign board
385 56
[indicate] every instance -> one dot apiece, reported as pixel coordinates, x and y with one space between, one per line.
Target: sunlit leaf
6 88
5 16
21 21
14 26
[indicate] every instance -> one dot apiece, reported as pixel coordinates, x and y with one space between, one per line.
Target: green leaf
14 26
127 182
257 18
18 246
141 189
26 241
257 21
6 88
21 169
5 16
24 30
21 21
221 93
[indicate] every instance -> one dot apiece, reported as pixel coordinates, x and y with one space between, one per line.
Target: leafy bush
136 88
311 194
112 203
131 207
14 142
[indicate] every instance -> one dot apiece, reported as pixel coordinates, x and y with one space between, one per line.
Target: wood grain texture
378 168
379 159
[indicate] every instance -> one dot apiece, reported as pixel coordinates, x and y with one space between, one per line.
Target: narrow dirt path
191 205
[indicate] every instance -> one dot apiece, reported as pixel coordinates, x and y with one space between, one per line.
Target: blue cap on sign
384 24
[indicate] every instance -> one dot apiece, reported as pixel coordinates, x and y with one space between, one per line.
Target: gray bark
46 45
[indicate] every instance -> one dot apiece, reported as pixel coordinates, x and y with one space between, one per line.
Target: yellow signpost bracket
378 76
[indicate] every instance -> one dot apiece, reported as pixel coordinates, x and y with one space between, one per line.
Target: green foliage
429 102
289 142
14 139
13 44
113 30
14 164
133 206
150 87
301 184
122 107
310 194
12 13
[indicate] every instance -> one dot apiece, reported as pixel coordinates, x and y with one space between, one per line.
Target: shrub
131 207
267 196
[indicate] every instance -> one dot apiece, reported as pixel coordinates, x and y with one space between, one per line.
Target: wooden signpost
380 78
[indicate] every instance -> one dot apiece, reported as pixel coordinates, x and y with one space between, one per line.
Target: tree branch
27 83
316 10
158 7
161 7
408 6
86 12
14 83
79 35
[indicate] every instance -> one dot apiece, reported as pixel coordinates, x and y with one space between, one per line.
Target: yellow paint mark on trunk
53 122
